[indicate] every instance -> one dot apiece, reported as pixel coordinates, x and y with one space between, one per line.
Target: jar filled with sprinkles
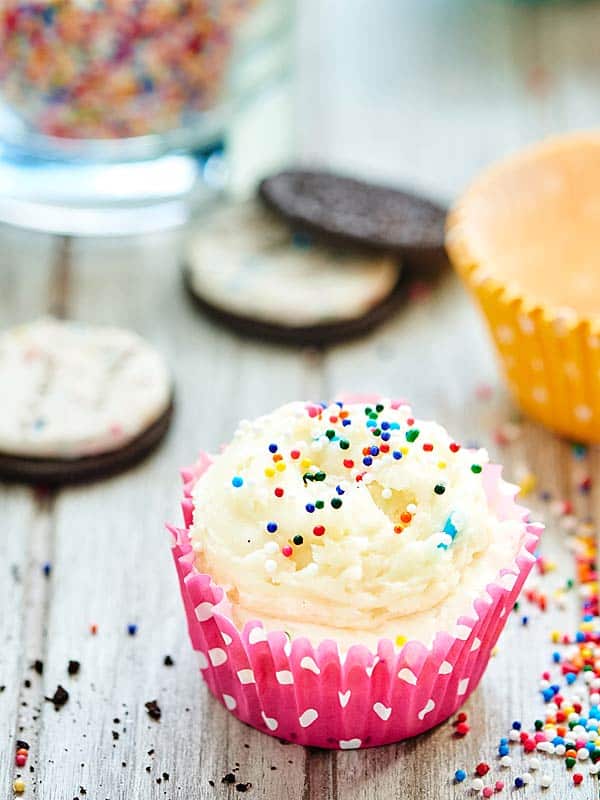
100 99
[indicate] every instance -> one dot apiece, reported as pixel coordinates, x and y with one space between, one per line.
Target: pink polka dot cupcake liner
318 696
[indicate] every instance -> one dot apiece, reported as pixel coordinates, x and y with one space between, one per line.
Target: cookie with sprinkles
80 402
248 269
348 211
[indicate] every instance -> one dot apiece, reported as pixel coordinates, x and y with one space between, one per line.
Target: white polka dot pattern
313 695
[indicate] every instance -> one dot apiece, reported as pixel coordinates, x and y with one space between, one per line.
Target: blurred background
421 95
105 182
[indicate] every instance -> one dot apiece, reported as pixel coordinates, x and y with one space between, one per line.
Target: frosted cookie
79 401
249 269
348 211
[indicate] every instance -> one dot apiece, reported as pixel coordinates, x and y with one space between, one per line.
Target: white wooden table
420 93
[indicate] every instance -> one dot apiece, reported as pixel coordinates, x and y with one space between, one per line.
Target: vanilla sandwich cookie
247 268
79 401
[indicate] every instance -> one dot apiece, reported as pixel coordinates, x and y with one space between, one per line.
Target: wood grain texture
26 526
114 532
420 93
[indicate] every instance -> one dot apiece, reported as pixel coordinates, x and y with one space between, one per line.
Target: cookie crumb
59 698
153 709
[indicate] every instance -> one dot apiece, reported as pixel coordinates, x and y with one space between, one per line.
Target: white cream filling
244 261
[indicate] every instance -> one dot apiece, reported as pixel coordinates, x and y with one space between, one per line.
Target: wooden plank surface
422 93
114 532
111 567
26 520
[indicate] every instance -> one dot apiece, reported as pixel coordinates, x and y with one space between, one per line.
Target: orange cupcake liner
550 356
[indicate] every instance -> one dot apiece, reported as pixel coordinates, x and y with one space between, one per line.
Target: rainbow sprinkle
338 428
110 69
569 726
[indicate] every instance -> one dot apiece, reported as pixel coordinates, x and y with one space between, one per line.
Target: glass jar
119 116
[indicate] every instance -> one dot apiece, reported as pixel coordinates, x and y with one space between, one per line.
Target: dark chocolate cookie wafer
300 336
245 267
80 401
56 471
345 210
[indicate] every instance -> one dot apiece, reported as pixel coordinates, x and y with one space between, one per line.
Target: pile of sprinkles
567 727
391 441
109 69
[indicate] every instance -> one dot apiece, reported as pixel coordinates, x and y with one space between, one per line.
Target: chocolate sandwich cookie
80 402
247 268
348 211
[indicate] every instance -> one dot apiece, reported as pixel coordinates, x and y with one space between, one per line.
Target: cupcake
346 571
524 239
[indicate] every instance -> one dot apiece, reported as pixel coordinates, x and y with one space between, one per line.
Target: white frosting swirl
399 537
